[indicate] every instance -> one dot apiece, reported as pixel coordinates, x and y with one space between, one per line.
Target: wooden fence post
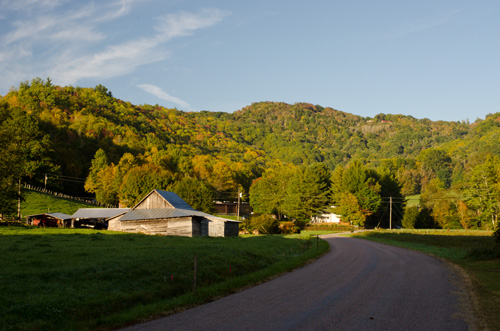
194 278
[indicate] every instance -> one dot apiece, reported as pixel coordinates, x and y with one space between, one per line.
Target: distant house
328 217
95 217
59 220
165 213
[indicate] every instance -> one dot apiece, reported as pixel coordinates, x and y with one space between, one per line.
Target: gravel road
358 285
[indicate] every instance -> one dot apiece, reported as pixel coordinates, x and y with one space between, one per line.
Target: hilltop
225 152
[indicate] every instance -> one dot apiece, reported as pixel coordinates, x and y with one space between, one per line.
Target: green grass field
69 279
413 200
37 203
474 251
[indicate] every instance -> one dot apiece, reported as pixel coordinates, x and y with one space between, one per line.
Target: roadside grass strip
81 279
474 251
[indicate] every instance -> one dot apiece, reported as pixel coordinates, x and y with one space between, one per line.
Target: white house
328 217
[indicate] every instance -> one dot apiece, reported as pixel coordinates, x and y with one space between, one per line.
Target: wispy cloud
184 23
69 44
38 5
424 25
160 94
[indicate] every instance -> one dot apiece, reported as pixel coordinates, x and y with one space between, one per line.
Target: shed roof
99 212
60 216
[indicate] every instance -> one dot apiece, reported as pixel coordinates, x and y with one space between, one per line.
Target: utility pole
19 201
239 201
46 177
390 213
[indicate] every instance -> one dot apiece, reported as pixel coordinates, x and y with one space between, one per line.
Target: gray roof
163 213
147 214
60 216
99 212
175 200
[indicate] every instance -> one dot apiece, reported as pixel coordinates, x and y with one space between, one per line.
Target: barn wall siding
185 227
114 225
216 228
154 201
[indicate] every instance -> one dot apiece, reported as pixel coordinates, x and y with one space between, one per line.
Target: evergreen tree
268 193
307 193
355 191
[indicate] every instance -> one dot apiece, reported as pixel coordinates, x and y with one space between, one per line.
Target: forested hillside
122 150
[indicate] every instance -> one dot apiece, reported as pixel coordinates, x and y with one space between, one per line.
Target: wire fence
66 196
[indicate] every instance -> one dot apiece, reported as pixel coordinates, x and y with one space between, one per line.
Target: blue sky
436 59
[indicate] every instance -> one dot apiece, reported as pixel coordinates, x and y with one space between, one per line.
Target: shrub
329 227
287 227
496 234
264 224
411 217
425 219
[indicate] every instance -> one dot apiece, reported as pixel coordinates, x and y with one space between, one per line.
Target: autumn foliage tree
141 180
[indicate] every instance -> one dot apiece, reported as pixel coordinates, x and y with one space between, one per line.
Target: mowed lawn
76 279
474 251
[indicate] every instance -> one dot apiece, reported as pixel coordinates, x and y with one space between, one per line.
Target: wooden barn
165 213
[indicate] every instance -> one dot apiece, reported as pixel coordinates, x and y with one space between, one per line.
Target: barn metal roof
164 213
98 212
146 214
175 200
60 216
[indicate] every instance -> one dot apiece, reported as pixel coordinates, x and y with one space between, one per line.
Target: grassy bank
37 203
474 251
68 279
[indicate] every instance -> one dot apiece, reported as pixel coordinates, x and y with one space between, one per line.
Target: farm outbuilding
95 217
165 213
59 220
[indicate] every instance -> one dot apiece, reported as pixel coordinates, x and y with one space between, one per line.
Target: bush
425 219
496 234
263 224
287 227
329 227
410 218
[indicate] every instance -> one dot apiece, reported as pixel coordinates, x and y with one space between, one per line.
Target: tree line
290 161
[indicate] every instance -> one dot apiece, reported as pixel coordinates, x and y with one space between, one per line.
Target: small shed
165 213
49 219
95 217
